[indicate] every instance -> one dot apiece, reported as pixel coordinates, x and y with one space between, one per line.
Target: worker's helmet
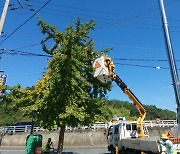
164 136
49 139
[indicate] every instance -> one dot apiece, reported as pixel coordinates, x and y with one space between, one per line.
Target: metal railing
98 125
161 123
21 128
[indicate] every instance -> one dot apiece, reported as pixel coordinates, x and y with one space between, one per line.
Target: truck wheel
113 151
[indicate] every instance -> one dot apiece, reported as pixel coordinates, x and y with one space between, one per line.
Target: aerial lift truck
104 70
124 136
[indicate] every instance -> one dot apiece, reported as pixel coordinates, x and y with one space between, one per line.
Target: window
110 130
128 127
116 130
134 127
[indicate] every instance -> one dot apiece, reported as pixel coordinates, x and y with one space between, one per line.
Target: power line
129 46
76 8
25 22
88 15
76 13
102 18
97 11
133 59
101 12
148 24
145 66
133 16
23 53
129 17
104 44
27 46
156 18
66 16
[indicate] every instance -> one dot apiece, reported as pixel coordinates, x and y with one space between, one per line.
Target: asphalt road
78 150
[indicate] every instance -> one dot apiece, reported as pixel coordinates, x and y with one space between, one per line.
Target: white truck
124 136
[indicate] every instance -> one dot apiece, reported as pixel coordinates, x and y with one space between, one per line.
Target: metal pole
171 59
3 16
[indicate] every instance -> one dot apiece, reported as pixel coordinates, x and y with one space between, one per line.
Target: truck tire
112 149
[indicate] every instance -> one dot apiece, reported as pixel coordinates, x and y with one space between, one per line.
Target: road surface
78 150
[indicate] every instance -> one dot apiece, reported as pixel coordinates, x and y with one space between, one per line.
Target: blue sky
131 27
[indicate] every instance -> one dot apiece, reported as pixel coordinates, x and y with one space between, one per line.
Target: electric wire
25 22
145 24
99 17
23 53
145 66
27 46
104 44
93 10
134 59
128 17
133 16
66 16
129 46
76 8
90 10
111 20
76 13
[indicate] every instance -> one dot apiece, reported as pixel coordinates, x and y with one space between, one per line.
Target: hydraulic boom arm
104 70
142 112
140 108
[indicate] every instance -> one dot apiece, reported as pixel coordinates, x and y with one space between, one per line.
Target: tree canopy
67 94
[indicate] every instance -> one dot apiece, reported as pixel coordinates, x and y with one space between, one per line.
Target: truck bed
142 144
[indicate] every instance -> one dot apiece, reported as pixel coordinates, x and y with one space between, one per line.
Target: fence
21 128
98 125
161 123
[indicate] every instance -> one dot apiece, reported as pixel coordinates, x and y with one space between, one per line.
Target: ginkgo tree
67 94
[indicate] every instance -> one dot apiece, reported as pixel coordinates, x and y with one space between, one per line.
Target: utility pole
3 16
171 59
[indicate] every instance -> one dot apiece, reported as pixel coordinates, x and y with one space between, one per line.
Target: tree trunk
61 139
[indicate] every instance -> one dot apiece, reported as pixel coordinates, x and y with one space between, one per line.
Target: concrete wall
157 131
87 138
79 138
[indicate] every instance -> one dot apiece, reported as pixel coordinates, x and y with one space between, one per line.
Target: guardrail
21 128
98 125
161 123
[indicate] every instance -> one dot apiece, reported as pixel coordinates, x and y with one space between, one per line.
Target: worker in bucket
167 145
48 146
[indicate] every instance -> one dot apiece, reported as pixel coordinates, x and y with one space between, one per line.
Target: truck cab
119 131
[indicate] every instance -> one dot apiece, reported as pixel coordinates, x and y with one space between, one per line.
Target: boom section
137 103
